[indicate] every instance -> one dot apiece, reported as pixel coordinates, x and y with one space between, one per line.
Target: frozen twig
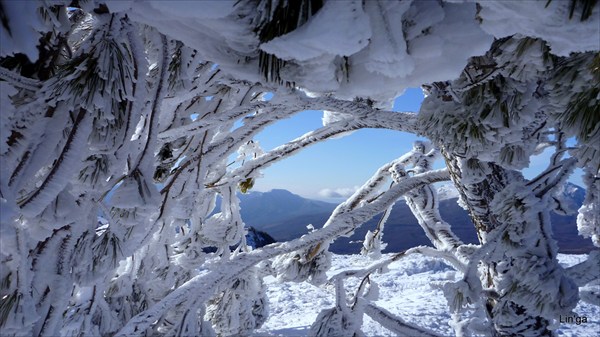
19 81
204 285
396 324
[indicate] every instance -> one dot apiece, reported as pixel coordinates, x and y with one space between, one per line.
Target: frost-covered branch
365 113
586 271
313 137
159 93
223 117
396 324
19 81
66 165
423 202
423 250
366 116
284 151
120 109
205 284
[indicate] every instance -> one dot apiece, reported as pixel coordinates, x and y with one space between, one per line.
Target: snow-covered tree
118 119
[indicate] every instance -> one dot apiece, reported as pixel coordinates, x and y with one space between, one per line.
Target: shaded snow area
408 290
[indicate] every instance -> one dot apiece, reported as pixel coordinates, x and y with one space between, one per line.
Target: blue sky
338 166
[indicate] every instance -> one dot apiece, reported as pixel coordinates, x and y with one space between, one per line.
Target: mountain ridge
285 215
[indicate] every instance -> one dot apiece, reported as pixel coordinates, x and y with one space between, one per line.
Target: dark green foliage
106 250
582 113
175 66
50 49
53 48
512 154
585 7
97 166
270 65
99 78
165 157
7 303
527 42
82 77
287 16
161 173
246 185
166 152
281 17
368 101
493 106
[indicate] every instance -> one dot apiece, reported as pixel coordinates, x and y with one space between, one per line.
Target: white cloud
343 192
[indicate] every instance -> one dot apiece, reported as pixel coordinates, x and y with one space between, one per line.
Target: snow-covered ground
407 290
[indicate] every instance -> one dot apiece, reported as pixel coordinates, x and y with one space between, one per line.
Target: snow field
408 290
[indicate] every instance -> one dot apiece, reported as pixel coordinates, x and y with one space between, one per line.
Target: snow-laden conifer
117 128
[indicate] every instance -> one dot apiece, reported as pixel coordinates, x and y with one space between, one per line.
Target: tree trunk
477 194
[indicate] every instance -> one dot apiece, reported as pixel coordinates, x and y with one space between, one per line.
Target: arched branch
205 284
396 324
398 120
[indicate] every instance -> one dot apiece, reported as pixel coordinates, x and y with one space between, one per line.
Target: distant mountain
285 216
272 207
402 230
281 213
256 238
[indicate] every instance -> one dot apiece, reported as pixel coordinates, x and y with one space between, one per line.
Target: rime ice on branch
116 129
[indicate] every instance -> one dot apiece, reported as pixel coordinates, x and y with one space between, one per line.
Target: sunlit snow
408 290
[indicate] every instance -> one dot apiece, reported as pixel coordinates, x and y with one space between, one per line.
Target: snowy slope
408 290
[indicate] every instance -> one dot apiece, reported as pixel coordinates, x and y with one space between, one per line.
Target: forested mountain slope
293 213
